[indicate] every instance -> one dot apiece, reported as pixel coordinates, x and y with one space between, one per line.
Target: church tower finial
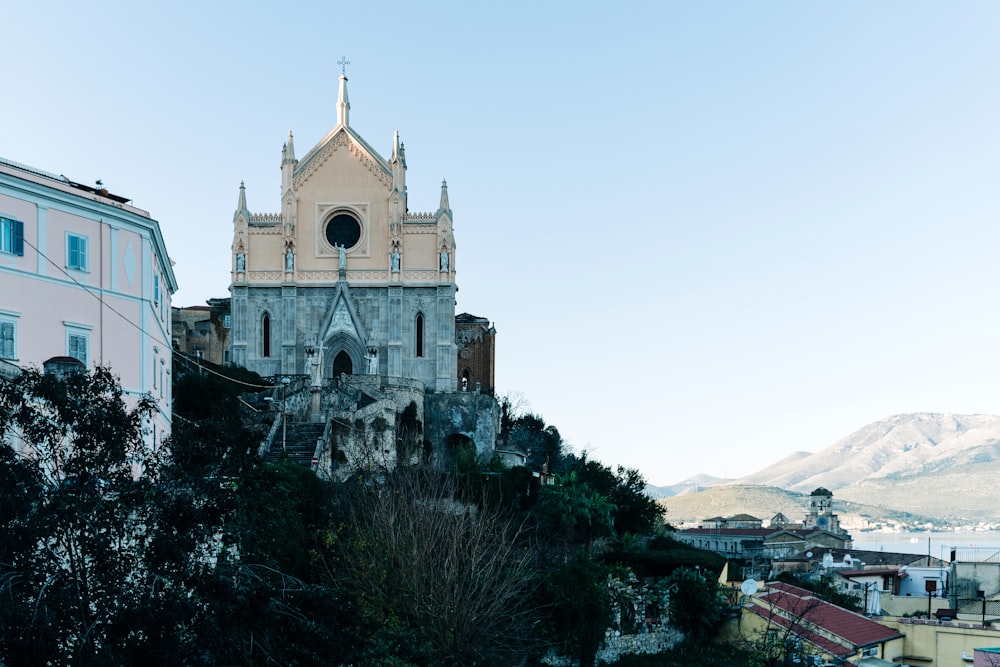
241 203
444 205
343 105
288 163
289 150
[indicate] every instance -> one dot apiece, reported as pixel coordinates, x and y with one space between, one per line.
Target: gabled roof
377 159
819 622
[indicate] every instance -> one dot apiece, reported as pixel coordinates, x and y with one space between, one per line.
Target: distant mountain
897 448
938 465
692 484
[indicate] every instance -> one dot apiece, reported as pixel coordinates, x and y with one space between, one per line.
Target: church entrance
342 364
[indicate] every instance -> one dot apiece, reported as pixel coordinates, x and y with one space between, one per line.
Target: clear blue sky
710 234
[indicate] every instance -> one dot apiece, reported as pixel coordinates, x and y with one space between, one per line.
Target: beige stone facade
344 278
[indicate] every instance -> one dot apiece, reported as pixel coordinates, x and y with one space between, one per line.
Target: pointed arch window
419 343
265 327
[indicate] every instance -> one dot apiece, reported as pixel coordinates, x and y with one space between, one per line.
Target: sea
938 543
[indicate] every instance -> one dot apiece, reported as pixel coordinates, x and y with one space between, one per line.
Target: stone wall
460 417
639 624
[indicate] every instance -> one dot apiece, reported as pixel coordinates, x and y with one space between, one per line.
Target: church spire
398 164
444 205
288 151
343 105
288 163
241 203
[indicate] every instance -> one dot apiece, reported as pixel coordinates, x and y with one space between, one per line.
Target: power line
188 359
93 292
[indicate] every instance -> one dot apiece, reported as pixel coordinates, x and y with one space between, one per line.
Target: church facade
344 278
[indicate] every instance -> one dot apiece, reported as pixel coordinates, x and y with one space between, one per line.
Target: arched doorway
342 364
462 451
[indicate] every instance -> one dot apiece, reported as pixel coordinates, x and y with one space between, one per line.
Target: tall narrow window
8 339
156 288
265 326
420 335
11 236
76 347
76 252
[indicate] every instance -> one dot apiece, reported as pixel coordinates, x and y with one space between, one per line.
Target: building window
77 345
265 326
420 335
11 236
156 288
227 321
8 339
76 252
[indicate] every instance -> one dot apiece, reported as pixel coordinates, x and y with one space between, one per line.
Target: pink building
86 275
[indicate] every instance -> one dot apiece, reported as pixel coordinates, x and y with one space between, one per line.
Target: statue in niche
373 361
444 261
241 262
395 261
289 260
342 253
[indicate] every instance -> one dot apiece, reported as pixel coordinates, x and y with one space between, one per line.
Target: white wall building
84 275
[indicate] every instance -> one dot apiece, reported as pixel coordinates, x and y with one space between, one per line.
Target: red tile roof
847 628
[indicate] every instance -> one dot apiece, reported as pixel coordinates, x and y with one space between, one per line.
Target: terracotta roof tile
853 629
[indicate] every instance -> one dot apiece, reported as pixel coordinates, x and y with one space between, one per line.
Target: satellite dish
749 587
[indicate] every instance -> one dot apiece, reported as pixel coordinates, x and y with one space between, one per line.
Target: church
345 289
345 278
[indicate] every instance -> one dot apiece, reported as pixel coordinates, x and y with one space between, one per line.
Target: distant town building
813 628
203 331
743 536
85 275
821 516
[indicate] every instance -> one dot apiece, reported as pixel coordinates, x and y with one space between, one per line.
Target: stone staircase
300 443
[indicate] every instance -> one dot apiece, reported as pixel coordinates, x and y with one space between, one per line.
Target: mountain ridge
935 465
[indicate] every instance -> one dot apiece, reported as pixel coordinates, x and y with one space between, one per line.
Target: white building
85 275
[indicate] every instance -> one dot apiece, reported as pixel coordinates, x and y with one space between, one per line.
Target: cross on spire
343 62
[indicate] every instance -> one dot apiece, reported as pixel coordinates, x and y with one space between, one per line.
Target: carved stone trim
342 140
419 275
352 276
270 230
420 229
263 275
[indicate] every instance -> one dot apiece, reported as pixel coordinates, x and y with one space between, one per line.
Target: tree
572 511
696 605
529 433
634 512
433 580
577 605
75 519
